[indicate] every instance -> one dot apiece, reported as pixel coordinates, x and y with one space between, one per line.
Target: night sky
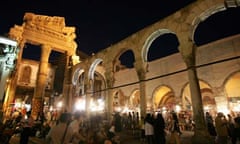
99 23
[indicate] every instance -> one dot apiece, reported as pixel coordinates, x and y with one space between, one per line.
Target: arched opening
119 101
163 97
208 99
219 25
163 46
232 89
134 101
125 60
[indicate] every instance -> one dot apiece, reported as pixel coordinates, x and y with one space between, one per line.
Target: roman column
39 91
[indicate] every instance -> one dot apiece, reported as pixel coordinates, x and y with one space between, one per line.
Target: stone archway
208 99
51 34
163 96
232 89
134 100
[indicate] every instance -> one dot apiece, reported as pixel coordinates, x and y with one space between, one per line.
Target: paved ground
126 138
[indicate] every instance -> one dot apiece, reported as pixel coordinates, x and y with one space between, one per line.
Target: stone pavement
126 137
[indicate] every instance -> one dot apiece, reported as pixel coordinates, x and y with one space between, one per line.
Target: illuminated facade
8 55
51 34
26 82
151 85
195 78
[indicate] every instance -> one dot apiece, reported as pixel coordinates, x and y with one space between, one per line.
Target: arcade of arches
136 74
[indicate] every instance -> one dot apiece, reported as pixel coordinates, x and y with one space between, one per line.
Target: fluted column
39 92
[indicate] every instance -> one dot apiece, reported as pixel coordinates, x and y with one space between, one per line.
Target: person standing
27 123
236 131
142 137
159 129
174 129
118 122
74 126
60 133
210 125
149 129
221 128
230 126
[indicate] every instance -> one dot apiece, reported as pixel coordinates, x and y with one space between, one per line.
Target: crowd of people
153 128
223 128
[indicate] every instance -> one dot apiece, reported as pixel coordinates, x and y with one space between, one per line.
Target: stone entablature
52 35
51 31
46 30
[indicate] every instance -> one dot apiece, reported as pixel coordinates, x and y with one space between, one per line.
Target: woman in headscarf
159 129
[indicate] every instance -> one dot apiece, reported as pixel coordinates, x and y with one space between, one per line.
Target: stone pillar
67 90
89 95
109 104
143 97
201 135
37 102
141 71
110 81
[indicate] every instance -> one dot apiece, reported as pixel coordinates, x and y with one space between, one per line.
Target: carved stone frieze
16 33
41 29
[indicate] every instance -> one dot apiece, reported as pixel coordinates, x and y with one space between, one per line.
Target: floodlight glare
8 41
